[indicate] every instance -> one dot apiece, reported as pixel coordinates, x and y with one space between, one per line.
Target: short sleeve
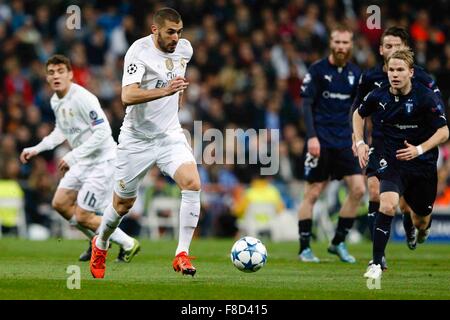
133 67
310 85
367 105
436 113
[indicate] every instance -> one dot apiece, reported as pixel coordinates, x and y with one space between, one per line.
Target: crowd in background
250 58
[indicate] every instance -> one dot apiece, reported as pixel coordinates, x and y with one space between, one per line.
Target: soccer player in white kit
151 133
86 187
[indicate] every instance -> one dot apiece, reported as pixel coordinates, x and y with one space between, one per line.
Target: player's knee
59 205
388 208
311 196
83 216
190 183
357 192
122 206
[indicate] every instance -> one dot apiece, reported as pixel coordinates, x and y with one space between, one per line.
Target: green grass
37 270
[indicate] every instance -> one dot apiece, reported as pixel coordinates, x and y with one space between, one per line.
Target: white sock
110 221
189 215
89 233
122 239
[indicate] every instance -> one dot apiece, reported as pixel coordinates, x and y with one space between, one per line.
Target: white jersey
81 121
151 68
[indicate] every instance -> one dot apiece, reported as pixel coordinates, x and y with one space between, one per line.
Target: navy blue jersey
332 90
414 117
376 78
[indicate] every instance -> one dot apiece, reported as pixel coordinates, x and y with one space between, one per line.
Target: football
248 254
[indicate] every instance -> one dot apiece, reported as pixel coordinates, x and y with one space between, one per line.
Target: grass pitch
37 270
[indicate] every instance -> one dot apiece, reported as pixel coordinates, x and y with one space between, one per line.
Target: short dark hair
396 32
59 59
166 14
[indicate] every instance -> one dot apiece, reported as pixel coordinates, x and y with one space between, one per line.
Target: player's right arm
55 138
133 94
308 92
363 111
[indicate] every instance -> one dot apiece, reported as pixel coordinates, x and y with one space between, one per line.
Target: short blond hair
405 55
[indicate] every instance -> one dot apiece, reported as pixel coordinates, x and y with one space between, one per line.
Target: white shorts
135 156
94 184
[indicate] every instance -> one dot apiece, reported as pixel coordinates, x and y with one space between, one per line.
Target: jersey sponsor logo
132 68
169 64
328 77
383 105
122 185
335 95
406 126
71 130
183 63
161 84
378 84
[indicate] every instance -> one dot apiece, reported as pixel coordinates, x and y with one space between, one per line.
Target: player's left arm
436 118
92 112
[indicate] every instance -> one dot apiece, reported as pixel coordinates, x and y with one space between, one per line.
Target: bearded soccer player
328 91
153 80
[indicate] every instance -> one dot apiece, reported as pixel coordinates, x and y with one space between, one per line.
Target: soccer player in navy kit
413 124
393 39
328 91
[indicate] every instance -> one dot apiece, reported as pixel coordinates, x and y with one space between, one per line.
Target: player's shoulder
374 72
83 96
354 67
422 90
140 45
422 76
184 48
379 92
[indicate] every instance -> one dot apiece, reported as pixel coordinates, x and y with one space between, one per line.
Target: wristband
360 142
419 149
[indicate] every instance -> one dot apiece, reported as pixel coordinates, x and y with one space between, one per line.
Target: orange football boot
182 262
98 260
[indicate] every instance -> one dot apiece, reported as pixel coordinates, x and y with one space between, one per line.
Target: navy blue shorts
332 164
418 188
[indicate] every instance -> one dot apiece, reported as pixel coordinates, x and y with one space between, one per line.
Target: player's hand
314 147
27 154
177 84
363 155
409 153
63 167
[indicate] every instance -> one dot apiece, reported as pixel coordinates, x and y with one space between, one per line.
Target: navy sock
407 222
343 227
304 230
371 215
381 233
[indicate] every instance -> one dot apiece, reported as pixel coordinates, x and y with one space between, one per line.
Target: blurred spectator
250 58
